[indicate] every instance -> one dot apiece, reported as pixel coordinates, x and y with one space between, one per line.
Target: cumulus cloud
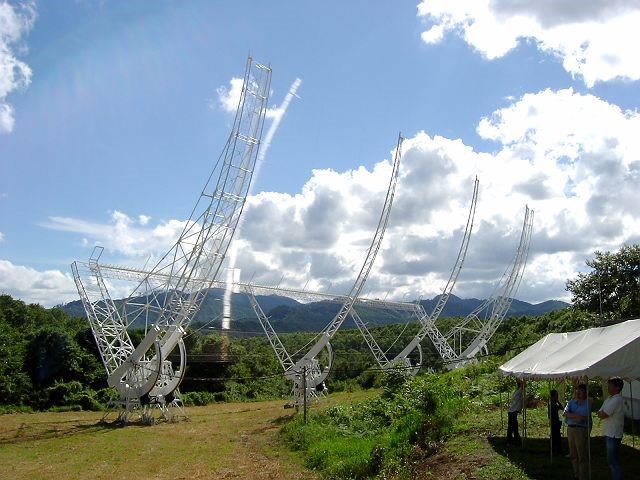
573 158
596 41
48 288
15 22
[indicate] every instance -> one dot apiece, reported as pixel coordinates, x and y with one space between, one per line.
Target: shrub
15 409
70 395
380 434
191 399
392 380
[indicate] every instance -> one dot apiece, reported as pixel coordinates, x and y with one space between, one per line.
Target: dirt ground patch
448 465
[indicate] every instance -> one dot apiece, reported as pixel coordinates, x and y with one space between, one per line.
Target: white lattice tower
112 338
193 263
172 292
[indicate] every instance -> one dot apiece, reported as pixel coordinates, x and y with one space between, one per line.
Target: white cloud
229 98
121 235
596 41
7 120
48 288
575 159
15 22
1 237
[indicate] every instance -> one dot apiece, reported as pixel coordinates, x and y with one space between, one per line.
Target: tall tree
612 287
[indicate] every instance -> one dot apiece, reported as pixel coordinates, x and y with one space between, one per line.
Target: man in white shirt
612 415
517 400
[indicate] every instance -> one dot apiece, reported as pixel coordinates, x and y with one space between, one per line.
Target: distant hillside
211 307
460 307
288 315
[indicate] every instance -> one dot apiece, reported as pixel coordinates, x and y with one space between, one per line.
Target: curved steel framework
470 336
172 292
427 321
475 330
482 323
307 376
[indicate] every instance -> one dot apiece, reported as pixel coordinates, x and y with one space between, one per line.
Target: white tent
594 353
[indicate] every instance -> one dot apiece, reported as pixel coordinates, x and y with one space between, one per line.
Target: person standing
517 400
554 407
577 417
612 415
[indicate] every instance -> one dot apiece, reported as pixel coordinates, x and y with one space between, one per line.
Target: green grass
478 448
380 435
465 439
241 440
238 440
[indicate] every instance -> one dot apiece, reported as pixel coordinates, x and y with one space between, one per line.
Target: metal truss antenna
427 322
172 293
495 307
306 373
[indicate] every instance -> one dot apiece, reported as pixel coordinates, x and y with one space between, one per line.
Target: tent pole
588 428
633 418
501 418
564 428
524 413
550 426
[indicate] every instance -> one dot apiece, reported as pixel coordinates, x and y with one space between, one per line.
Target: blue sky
111 118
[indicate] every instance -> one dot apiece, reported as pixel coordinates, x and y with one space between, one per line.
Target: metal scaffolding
172 291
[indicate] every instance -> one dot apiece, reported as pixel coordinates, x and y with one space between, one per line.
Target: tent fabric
594 353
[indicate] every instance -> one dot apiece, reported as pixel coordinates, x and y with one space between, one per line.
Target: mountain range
289 315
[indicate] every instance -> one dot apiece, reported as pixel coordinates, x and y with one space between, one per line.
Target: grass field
219 441
240 440
478 450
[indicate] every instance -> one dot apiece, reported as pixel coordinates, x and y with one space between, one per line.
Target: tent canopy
595 353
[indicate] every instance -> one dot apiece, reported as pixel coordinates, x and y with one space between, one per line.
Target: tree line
48 359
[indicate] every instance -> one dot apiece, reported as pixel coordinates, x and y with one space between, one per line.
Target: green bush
70 395
378 435
106 395
349 385
191 399
392 380
15 409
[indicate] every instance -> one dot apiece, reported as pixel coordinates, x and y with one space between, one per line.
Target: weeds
380 435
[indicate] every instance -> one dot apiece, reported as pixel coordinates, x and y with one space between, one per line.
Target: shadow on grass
534 459
26 432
